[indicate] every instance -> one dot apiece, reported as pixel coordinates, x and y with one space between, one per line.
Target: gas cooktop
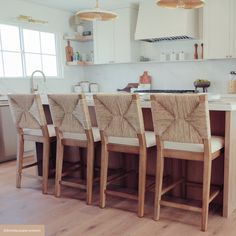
165 91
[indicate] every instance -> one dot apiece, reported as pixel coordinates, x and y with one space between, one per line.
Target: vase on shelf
195 52
69 52
145 81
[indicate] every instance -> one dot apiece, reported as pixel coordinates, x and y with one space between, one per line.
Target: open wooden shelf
79 63
79 38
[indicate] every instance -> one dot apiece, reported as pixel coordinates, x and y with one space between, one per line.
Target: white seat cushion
217 143
38 132
79 136
149 135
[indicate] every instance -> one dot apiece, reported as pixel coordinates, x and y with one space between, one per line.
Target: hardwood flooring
70 216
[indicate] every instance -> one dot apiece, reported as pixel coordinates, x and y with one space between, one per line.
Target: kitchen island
223 123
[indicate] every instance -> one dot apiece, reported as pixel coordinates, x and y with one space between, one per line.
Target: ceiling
75 5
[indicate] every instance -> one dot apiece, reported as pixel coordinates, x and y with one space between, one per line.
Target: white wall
172 75
167 75
58 23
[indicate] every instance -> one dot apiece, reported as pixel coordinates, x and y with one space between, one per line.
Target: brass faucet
32 89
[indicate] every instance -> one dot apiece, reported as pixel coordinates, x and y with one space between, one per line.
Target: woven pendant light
186 4
96 14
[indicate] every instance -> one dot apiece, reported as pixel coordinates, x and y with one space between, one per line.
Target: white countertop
220 105
226 103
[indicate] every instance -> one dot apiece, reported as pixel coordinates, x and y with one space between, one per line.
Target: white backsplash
167 75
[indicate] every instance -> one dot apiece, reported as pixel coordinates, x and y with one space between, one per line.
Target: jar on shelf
173 56
182 56
232 82
163 57
85 86
94 88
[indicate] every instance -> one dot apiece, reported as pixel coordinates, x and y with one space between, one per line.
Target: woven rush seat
38 132
149 136
217 143
79 136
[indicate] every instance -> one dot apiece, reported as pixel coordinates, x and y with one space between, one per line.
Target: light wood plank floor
70 216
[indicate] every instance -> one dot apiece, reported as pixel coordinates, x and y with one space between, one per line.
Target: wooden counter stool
70 116
182 128
121 126
29 118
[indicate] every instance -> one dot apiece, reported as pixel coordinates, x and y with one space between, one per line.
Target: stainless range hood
156 24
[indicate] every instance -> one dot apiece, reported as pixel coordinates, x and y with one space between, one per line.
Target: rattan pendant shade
186 4
96 14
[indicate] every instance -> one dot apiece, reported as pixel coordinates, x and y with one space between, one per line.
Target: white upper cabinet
219 29
233 27
122 37
114 40
103 42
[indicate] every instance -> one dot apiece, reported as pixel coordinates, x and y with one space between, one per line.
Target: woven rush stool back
119 115
182 118
69 112
27 111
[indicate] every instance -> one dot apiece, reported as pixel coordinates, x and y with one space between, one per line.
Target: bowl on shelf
87 33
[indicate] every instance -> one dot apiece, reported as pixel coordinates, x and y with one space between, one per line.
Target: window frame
23 53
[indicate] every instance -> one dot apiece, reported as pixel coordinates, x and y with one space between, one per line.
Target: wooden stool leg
158 183
185 177
90 164
46 153
82 171
59 164
206 191
142 182
19 163
104 170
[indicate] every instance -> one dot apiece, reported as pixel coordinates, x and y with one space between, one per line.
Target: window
11 59
22 51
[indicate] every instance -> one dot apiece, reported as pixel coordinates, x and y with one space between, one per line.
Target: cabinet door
217 29
103 42
122 37
8 134
233 29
